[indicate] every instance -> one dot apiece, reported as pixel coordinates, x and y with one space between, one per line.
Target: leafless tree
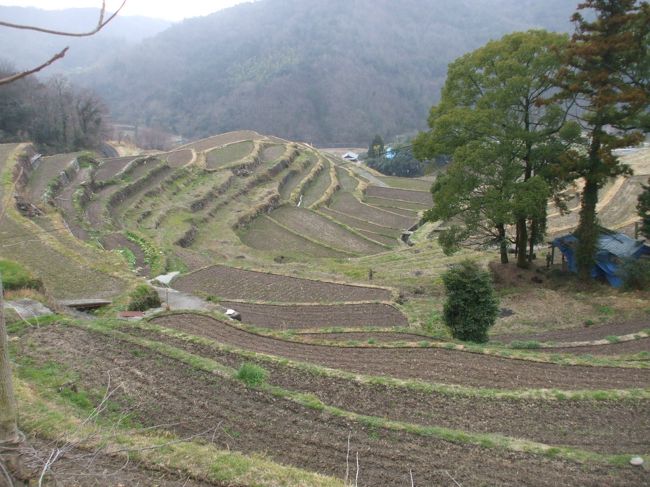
10 436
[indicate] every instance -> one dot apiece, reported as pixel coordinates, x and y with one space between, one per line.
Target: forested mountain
25 49
322 71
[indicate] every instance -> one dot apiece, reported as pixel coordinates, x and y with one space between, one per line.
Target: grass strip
312 402
501 352
157 450
410 384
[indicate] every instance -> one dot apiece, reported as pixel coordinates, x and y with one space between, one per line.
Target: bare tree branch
101 23
17 76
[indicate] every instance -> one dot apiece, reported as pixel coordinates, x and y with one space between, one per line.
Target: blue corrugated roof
619 244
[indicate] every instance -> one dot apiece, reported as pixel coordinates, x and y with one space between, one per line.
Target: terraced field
228 154
343 317
232 283
48 169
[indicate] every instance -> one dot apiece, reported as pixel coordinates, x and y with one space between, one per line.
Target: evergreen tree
376 148
644 210
503 141
607 74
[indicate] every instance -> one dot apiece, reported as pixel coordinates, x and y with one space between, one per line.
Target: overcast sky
169 10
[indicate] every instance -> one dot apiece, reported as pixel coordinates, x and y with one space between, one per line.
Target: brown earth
109 168
178 158
318 316
365 336
119 241
583 334
433 364
162 392
272 153
232 283
604 426
623 348
83 468
422 197
346 203
219 140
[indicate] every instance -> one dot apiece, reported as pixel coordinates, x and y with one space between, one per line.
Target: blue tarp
613 249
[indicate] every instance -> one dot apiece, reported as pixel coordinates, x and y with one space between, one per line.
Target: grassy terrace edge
59 422
111 328
504 352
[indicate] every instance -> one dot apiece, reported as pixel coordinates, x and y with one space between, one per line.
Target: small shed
612 251
351 156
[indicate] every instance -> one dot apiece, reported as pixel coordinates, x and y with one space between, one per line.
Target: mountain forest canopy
325 72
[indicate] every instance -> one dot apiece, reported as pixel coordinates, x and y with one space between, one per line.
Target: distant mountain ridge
321 71
25 49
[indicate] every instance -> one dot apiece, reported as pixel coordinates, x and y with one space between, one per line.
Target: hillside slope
318 71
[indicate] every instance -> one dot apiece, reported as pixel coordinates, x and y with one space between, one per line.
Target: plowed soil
161 391
583 334
623 348
312 225
346 203
231 283
219 140
119 241
178 158
379 337
604 426
110 167
436 365
421 197
319 316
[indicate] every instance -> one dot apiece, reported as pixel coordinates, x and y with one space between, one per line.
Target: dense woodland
325 72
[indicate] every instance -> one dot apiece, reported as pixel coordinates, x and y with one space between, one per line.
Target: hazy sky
169 10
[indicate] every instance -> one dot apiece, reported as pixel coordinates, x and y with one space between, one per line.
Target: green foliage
471 307
15 276
502 138
525 345
643 207
143 298
402 163
252 375
128 255
606 67
636 274
376 147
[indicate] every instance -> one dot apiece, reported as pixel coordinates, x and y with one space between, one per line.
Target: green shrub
252 375
525 345
471 307
143 298
636 274
15 276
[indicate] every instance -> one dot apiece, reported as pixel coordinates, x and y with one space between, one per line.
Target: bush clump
252 375
471 307
143 298
636 274
15 276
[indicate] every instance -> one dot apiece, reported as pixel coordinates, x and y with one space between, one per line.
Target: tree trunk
522 242
534 236
503 244
8 426
9 436
587 231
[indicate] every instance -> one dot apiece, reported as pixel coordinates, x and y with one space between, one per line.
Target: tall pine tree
606 72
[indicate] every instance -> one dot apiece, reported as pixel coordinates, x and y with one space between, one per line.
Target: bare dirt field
159 391
437 365
231 283
219 140
421 197
318 316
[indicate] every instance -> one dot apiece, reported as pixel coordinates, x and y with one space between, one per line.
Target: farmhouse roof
352 156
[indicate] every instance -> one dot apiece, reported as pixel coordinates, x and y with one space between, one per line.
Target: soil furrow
436 365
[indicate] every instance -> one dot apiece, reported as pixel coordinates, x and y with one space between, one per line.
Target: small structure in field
351 156
613 250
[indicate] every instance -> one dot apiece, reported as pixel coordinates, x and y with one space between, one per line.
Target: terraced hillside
340 353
